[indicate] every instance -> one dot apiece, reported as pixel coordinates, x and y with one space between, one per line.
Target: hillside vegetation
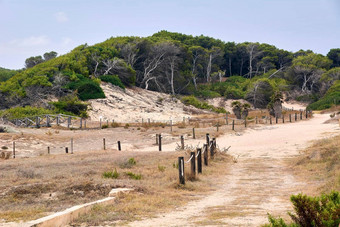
176 63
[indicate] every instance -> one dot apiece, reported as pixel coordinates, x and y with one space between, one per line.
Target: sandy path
258 183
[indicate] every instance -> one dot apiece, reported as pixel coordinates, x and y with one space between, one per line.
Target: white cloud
61 17
31 41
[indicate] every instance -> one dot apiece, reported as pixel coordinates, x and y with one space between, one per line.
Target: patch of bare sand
135 104
259 183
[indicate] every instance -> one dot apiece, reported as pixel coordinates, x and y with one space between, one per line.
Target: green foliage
132 161
5 74
134 176
22 112
128 164
85 87
312 211
191 100
111 174
113 79
332 97
161 168
71 105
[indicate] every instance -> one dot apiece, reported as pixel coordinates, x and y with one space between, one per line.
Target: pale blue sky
33 27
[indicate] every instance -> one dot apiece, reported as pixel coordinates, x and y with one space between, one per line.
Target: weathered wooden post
68 122
193 164
226 118
37 122
157 139
182 143
233 126
149 121
181 170
290 118
107 123
283 118
48 124
119 147
48 150
13 149
270 120
295 116
193 133
217 126
245 122
81 123
208 141
199 160
171 125
276 119
212 148
300 115
66 150
85 124
71 145
205 147
100 123
104 144
26 122
58 120
306 114
256 120
160 142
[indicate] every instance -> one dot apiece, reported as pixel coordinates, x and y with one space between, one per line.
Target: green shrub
113 79
134 176
161 168
332 97
207 94
22 112
132 161
191 100
312 211
86 88
71 105
111 174
128 164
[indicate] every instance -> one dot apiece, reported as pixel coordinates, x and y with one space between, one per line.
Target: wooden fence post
276 119
85 124
160 142
208 140
48 150
193 163
171 125
182 143
245 122
104 144
199 160
66 150
270 120
71 145
226 118
58 120
217 126
283 118
48 124
100 123
37 122
149 121
290 117
13 149
193 133
295 116
156 139
205 147
81 123
233 127
256 120
306 114
119 146
181 170
68 122
300 115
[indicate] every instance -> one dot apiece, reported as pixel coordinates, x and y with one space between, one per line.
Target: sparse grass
111 174
321 162
161 168
134 176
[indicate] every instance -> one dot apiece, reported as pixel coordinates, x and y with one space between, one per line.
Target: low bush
191 100
22 112
128 164
113 79
111 174
312 211
134 176
86 88
71 105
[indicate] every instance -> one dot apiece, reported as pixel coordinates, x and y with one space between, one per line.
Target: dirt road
259 183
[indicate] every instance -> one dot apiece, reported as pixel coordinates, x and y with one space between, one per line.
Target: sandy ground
259 183
135 104
225 103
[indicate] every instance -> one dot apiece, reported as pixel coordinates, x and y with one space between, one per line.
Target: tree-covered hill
177 64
